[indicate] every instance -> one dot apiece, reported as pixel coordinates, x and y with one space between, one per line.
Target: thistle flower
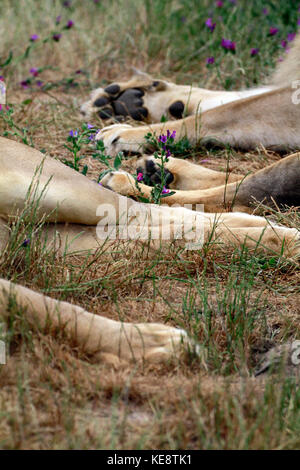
254 51
56 37
140 177
273 31
209 23
291 37
34 71
228 45
210 60
34 37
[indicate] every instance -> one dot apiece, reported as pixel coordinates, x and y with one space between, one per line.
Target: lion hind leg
94 334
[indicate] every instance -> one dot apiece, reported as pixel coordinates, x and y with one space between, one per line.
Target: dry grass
234 302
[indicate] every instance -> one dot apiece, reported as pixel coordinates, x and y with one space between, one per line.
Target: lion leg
183 175
95 335
143 98
246 124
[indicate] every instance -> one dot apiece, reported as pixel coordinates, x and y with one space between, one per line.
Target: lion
69 202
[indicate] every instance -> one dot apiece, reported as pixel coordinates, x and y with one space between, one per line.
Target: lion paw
120 182
122 138
148 166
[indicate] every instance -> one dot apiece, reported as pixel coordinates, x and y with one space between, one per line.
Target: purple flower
24 84
1 108
283 43
67 3
56 37
162 138
34 71
90 126
228 45
273 31
209 23
171 136
165 190
1 78
70 24
219 4
298 22
34 37
73 133
210 60
265 11
58 19
39 83
140 177
254 51
291 37
92 136
26 242
168 154
78 71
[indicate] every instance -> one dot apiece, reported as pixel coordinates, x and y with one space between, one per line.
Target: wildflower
254 51
291 37
70 24
56 37
210 60
1 78
34 37
209 23
165 190
26 242
90 126
1 108
34 71
39 83
283 43
24 83
73 133
162 138
78 71
265 11
168 154
92 136
58 19
67 3
219 4
171 136
298 22
228 45
140 177
273 31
